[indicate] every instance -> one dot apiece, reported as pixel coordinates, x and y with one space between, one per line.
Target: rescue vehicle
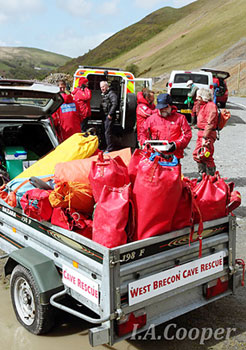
177 88
126 87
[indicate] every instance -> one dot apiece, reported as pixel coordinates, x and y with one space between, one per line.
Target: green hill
167 39
28 63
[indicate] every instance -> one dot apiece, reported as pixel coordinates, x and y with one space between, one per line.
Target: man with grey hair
108 107
207 122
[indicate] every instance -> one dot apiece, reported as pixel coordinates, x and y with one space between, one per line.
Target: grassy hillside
191 42
167 39
130 37
28 63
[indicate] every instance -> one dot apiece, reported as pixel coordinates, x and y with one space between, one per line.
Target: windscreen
11 97
195 77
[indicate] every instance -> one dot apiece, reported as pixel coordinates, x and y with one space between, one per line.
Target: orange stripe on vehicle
7 239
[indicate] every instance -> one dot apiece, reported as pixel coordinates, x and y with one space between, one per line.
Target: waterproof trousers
210 160
108 126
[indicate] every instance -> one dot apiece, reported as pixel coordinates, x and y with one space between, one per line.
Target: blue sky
71 27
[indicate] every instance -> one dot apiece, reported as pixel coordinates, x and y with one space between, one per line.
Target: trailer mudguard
42 268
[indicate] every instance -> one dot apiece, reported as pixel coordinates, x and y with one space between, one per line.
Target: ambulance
126 87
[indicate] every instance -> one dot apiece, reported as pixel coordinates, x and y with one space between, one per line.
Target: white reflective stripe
143 111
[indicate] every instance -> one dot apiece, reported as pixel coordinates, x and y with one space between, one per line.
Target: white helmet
189 83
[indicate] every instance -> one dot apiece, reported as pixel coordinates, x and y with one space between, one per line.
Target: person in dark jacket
109 105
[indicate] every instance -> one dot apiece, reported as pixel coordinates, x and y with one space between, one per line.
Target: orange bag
72 195
224 116
78 170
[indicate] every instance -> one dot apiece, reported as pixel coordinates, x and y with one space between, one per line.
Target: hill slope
130 37
28 63
185 38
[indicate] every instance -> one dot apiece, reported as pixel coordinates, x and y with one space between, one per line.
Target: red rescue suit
173 128
66 118
83 96
144 110
207 121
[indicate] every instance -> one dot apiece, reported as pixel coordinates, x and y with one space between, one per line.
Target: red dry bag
156 194
111 216
107 171
35 203
212 195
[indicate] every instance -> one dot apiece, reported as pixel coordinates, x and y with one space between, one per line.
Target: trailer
123 290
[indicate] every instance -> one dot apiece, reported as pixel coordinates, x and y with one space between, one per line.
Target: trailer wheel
32 315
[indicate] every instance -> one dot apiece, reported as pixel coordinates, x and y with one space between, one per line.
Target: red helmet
203 153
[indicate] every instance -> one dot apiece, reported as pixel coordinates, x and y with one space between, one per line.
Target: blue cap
163 101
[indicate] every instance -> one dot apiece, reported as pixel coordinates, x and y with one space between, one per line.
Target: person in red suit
207 122
169 125
145 107
82 96
66 119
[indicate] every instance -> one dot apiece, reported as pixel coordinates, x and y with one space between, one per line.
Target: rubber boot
211 171
201 170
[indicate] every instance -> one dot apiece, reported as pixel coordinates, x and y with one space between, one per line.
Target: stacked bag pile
117 198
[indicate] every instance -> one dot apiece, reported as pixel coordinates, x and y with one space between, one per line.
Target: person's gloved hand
170 147
205 142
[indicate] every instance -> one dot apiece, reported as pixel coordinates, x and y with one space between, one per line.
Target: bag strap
196 208
27 180
153 168
217 128
131 224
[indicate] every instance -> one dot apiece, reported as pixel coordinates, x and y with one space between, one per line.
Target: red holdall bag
86 231
69 218
60 218
107 171
185 214
139 155
212 195
35 203
235 201
156 194
111 216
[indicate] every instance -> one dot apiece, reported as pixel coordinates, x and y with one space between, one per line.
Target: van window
197 78
94 85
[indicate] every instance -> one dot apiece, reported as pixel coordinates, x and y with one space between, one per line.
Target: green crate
14 157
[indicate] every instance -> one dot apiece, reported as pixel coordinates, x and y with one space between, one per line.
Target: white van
177 89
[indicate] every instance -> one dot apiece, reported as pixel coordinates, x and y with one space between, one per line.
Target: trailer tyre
34 316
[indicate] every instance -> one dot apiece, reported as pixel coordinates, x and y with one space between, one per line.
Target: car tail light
216 287
211 87
134 320
170 84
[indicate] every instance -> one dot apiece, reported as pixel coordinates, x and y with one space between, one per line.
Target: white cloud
147 4
3 17
75 7
109 7
12 7
74 45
